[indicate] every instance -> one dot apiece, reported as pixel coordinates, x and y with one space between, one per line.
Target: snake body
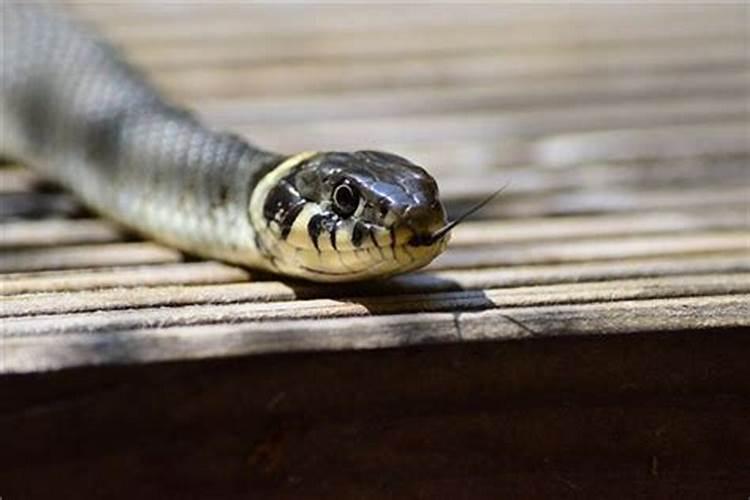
76 111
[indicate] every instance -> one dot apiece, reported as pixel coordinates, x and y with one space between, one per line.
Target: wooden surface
584 336
623 134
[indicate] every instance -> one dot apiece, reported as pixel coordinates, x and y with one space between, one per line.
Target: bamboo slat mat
624 132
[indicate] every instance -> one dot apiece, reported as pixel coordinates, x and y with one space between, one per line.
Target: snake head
348 216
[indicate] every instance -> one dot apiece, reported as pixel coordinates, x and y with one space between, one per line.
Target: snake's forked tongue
436 235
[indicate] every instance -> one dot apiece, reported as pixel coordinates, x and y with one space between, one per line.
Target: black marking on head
393 241
373 238
288 221
383 206
282 198
319 223
358 233
333 239
314 227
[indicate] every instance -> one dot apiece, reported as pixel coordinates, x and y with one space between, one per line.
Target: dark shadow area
413 283
409 293
657 415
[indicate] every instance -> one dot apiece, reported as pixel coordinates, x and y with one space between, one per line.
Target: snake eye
345 199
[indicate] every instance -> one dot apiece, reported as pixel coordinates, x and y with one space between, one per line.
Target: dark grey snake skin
79 114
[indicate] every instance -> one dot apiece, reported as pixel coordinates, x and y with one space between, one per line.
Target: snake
77 112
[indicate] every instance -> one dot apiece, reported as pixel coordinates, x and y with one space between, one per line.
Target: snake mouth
360 264
388 252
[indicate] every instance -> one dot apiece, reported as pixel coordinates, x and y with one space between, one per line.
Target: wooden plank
652 181
671 265
246 48
531 168
308 301
51 352
533 123
455 70
586 250
70 257
149 24
22 205
291 17
473 172
616 200
120 277
14 179
53 232
501 95
474 233
645 142
240 310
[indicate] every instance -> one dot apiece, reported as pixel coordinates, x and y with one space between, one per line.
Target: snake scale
74 110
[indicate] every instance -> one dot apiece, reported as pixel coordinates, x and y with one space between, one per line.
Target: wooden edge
55 352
